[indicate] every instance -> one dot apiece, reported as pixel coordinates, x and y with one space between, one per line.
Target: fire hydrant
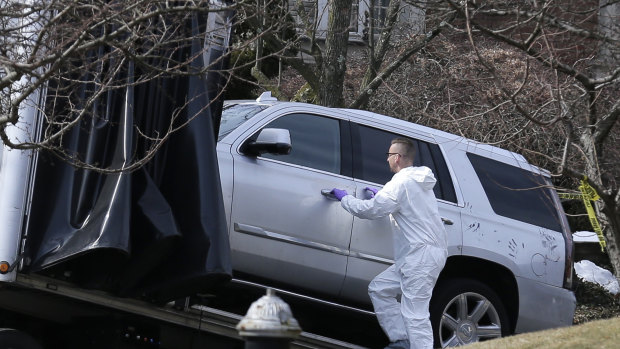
269 323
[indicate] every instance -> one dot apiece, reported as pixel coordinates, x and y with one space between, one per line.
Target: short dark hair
408 149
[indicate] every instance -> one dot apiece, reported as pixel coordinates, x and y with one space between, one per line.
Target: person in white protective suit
420 247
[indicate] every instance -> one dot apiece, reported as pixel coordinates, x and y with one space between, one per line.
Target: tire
14 339
465 311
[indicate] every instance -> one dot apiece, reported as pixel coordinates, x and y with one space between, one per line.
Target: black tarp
157 232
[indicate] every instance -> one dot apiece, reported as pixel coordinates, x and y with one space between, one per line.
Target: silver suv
510 263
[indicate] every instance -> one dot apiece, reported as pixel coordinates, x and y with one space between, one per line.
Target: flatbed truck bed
135 323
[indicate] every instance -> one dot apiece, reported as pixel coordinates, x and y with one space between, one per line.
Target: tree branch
606 123
414 47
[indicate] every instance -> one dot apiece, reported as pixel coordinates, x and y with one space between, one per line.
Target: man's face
392 157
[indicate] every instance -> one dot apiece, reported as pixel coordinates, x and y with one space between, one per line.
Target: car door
371 249
284 227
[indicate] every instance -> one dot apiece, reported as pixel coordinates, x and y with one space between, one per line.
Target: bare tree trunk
608 59
608 219
377 52
336 45
608 25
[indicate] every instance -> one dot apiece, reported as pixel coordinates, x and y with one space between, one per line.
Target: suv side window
370 162
315 141
517 193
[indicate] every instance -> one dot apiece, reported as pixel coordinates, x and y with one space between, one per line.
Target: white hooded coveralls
420 252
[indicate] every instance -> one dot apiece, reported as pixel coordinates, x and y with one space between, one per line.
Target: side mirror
270 140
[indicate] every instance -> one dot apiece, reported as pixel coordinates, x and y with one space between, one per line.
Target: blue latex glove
339 193
373 191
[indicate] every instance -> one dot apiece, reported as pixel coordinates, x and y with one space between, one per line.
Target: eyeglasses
390 154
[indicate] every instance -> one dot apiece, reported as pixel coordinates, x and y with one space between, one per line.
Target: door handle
447 221
328 194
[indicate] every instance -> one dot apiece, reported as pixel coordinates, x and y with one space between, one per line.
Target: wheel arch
16 339
495 276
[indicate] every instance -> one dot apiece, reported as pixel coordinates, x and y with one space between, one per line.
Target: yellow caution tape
570 196
586 189
588 194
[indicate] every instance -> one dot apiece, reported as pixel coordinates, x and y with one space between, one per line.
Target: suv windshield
233 115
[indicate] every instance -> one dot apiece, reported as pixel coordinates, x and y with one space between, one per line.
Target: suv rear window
517 193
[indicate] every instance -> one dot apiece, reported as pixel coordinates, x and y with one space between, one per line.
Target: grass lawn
600 334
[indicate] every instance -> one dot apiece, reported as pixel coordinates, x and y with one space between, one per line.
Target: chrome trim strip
307 298
257 231
371 258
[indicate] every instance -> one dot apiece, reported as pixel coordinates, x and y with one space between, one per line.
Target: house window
379 13
355 16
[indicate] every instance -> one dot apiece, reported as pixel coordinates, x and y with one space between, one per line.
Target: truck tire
465 311
14 339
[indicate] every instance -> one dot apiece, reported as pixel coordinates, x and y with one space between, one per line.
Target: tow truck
127 259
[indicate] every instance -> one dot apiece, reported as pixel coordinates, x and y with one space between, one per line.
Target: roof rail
265 96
